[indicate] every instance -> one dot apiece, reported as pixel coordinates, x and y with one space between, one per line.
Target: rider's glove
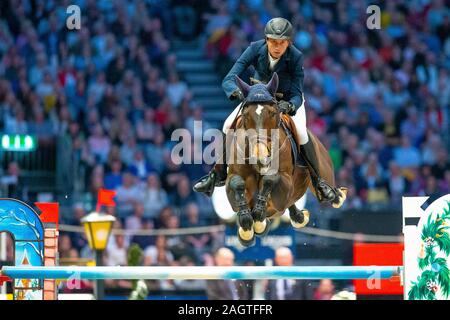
286 107
238 95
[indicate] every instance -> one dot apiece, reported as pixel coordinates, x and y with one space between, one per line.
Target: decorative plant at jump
435 274
140 290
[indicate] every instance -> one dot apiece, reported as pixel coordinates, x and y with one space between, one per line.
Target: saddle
288 126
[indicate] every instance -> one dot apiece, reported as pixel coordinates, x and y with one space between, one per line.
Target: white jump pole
207 273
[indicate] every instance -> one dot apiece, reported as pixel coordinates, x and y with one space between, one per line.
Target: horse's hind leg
299 218
340 197
244 217
261 225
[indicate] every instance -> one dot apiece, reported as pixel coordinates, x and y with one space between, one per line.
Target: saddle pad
294 139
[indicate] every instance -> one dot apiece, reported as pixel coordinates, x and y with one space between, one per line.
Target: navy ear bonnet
259 93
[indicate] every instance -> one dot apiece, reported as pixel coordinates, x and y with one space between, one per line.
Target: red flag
49 211
105 198
4 279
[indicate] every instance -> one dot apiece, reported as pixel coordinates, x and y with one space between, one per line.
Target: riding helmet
278 28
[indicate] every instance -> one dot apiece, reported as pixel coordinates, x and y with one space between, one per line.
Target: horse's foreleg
299 218
259 210
282 194
244 216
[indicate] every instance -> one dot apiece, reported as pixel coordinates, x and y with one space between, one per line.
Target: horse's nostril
264 161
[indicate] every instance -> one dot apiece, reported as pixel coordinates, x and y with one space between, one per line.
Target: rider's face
277 47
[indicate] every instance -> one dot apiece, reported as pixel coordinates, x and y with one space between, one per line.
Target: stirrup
325 192
201 184
208 189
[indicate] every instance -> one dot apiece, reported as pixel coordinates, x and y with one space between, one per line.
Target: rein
280 125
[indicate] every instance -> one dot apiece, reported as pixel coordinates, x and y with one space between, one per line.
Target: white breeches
299 120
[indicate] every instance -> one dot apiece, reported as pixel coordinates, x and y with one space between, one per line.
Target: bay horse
257 189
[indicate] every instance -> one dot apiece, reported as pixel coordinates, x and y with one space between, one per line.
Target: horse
263 185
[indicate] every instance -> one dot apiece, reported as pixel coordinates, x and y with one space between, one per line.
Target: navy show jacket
289 69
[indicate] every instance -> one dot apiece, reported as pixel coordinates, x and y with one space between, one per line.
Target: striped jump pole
206 273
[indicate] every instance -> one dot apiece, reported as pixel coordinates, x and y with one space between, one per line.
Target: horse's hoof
246 238
298 225
261 227
245 220
246 235
339 201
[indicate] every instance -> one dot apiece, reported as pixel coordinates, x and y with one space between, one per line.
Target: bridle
262 139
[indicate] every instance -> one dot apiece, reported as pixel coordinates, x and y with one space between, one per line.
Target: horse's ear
272 86
245 88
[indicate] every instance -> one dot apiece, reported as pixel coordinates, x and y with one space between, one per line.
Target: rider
275 53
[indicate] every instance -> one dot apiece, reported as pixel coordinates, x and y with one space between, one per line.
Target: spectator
99 144
442 164
156 152
183 194
158 254
145 128
113 179
128 150
432 189
43 128
199 241
196 122
225 289
155 198
64 246
325 291
117 255
407 155
374 182
176 244
189 284
78 239
431 148
16 124
144 241
413 127
10 182
127 195
139 166
134 222
176 89
397 182
164 216
445 183
287 289
171 176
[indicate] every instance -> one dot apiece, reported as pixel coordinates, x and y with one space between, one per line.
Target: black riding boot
216 177
325 192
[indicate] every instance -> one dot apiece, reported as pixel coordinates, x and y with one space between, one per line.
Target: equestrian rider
275 53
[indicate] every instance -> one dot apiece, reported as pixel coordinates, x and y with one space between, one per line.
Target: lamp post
97 227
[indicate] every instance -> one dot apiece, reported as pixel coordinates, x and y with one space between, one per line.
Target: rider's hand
286 107
238 95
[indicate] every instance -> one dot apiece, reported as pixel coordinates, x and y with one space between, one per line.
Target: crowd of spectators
112 88
378 100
